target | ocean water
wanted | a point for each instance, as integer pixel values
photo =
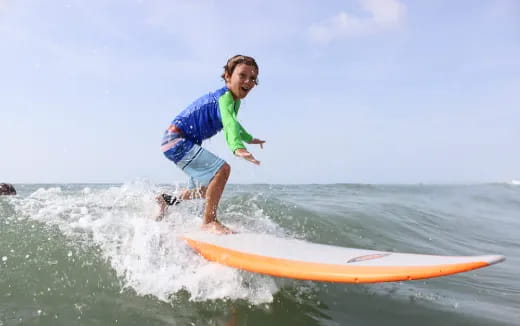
(91, 254)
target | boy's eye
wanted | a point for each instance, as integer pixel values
(243, 77)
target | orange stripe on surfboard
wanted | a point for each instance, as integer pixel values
(325, 272)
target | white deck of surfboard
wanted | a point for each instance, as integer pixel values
(303, 251)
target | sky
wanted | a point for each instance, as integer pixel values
(359, 91)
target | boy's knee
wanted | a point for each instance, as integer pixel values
(226, 169)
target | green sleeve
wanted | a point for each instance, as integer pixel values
(235, 134)
(245, 135)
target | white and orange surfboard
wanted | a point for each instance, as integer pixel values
(297, 259)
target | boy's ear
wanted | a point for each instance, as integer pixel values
(227, 76)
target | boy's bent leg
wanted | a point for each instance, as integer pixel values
(186, 194)
(213, 194)
(163, 207)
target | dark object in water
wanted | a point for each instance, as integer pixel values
(7, 189)
(170, 200)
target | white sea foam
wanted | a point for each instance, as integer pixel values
(149, 256)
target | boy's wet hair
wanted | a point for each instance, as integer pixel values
(7, 189)
(236, 60)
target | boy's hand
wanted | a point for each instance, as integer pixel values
(258, 141)
(243, 153)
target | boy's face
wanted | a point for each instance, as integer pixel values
(242, 81)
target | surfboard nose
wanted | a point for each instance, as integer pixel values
(493, 259)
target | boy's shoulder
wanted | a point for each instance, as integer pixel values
(210, 97)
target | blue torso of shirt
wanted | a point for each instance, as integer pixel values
(201, 119)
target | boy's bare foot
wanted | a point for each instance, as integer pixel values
(217, 227)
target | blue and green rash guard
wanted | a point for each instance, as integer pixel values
(202, 120)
